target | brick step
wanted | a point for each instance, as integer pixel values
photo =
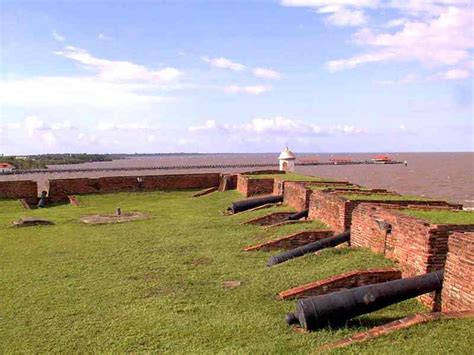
(346, 280)
(292, 241)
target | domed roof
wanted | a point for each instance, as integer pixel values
(286, 155)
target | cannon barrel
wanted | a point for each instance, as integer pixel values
(298, 215)
(309, 248)
(244, 205)
(337, 307)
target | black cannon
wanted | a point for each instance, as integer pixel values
(244, 205)
(337, 307)
(309, 248)
(42, 200)
(298, 215)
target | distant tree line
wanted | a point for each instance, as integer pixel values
(42, 161)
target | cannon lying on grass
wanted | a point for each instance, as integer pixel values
(309, 248)
(244, 205)
(298, 215)
(337, 307)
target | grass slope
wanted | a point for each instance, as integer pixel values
(443, 216)
(156, 285)
(384, 197)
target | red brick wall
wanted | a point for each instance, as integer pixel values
(19, 189)
(336, 211)
(250, 187)
(330, 209)
(417, 246)
(458, 284)
(296, 195)
(60, 188)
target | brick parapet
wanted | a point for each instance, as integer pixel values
(336, 211)
(458, 284)
(250, 187)
(59, 189)
(416, 245)
(17, 189)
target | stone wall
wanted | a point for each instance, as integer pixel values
(458, 284)
(336, 211)
(59, 189)
(16, 189)
(417, 246)
(250, 187)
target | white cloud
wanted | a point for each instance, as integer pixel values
(252, 89)
(453, 74)
(443, 40)
(324, 3)
(135, 126)
(224, 63)
(58, 37)
(87, 91)
(113, 70)
(104, 37)
(276, 126)
(407, 79)
(346, 17)
(266, 73)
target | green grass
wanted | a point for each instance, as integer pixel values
(336, 186)
(289, 177)
(156, 285)
(384, 197)
(443, 216)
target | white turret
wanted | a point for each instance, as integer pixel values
(287, 160)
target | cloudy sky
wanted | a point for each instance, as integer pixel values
(236, 76)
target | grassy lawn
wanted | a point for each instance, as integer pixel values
(289, 177)
(156, 285)
(384, 197)
(443, 216)
(336, 186)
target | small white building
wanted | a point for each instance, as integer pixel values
(6, 168)
(287, 160)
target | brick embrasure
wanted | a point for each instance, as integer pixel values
(292, 241)
(346, 280)
(269, 219)
(394, 326)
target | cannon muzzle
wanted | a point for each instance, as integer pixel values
(244, 205)
(309, 248)
(337, 307)
(298, 215)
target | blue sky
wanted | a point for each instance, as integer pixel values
(236, 76)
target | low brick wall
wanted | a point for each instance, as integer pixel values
(59, 189)
(335, 283)
(458, 284)
(296, 195)
(417, 246)
(17, 189)
(336, 211)
(250, 187)
(292, 241)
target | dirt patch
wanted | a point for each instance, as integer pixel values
(30, 221)
(114, 218)
(231, 284)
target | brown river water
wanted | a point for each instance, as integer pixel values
(448, 176)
